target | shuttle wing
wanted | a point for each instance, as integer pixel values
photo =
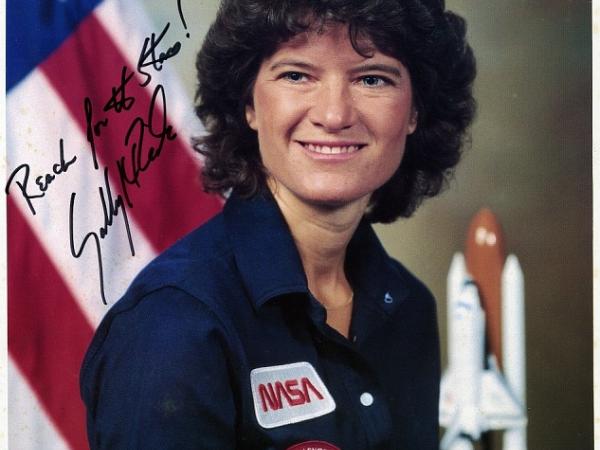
(499, 406)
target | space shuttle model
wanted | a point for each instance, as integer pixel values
(483, 387)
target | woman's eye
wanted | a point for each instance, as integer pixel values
(374, 81)
(294, 77)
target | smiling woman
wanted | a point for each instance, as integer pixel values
(322, 113)
(283, 323)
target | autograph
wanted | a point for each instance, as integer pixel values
(111, 210)
(140, 161)
(42, 181)
(148, 55)
(143, 144)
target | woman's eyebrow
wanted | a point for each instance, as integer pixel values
(292, 62)
(391, 70)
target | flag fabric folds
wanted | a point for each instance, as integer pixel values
(101, 178)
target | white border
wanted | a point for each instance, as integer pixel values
(3, 265)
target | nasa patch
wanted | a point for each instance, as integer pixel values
(289, 393)
(313, 445)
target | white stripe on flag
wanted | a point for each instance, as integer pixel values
(29, 426)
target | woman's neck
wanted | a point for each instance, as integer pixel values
(322, 234)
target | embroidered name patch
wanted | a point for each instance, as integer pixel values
(313, 445)
(288, 394)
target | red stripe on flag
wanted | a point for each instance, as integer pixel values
(169, 202)
(47, 332)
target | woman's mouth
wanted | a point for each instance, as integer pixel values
(331, 148)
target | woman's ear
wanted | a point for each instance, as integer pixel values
(251, 116)
(412, 121)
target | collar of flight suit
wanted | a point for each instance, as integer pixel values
(270, 266)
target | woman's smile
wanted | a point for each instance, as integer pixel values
(333, 148)
(331, 151)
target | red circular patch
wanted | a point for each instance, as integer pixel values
(313, 445)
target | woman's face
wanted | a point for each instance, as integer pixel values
(331, 124)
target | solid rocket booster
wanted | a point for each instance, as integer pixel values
(513, 325)
(513, 343)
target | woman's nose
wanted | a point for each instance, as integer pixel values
(333, 108)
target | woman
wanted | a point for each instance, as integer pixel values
(282, 323)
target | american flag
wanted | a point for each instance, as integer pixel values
(96, 180)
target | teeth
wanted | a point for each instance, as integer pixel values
(331, 150)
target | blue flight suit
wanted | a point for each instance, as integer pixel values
(218, 344)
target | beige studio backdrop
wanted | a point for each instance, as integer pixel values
(530, 161)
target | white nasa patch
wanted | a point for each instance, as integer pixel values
(288, 394)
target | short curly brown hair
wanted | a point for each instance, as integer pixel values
(426, 38)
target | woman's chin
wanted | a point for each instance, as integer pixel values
(324, 197)
(332, 200)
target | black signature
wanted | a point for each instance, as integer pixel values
(141, 159)
(111, 207)
(129, 169)
(42, 181)
(119, 100)
(148, 55)
(93, 129)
